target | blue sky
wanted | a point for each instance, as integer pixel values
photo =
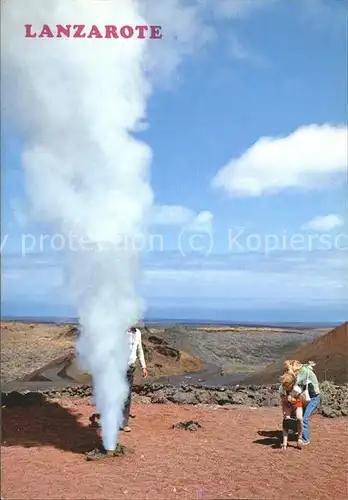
(241, 223)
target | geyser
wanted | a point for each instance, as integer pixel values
(77, 102)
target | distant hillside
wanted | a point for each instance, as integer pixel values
(330, 352)
(161, 359)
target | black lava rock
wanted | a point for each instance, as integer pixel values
(190, 425)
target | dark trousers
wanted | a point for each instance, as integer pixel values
(127, 405)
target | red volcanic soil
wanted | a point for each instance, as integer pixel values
(233, 455)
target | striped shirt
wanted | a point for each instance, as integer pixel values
(295, 392)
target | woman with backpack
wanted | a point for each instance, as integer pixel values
(308, 381)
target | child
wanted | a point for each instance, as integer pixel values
(292, 401)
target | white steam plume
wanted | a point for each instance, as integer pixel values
(78, 101)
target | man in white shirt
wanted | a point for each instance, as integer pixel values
(135, 351)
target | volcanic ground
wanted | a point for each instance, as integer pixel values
(194, 375)
(40, 353)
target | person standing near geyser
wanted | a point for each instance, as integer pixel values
(135, 351)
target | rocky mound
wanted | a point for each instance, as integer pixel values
(163, 359)
(330, 353)
(69, 332)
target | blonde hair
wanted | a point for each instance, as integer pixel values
(292, 366)
(288, 379)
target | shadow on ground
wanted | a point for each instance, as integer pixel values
(45, 423)
(270, 438)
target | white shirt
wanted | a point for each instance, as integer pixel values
(136, 348)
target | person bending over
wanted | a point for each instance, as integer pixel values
(308, 381)
(135, 351)
(292, 402)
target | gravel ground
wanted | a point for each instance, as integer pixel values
(26, 348)
(234, 455)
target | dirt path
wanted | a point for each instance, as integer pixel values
(227, 458)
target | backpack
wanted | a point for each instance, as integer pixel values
(309, 366)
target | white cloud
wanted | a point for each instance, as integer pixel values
(309, 158)
(242, 285)
(184, 29)
(188, 26)
(177, 215)
(324, 223)
(202, 222)
(217, 279)
(172, 215)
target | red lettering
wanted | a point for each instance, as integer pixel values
(126, 31)
(156, 32)
(142, 28)
(28, 33)
(63, 30)
(111, 31)
(46, 32)
(94, 32)
(79, 31)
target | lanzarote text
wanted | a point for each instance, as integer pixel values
(83, 31)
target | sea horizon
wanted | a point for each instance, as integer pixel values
(152, 320)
